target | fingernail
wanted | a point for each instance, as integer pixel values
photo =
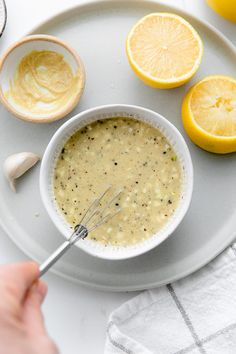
(41, 289)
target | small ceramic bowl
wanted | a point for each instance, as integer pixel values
(12, 57)
(112, 111)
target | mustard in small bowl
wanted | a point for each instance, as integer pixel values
(41, 79)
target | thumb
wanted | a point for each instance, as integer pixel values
(18, 277)
(32, 314)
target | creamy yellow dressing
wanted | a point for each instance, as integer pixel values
(128, 154)
(43, 82)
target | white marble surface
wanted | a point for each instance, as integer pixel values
(76, 317)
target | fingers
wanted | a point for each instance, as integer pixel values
(33, 319)
(32, 314)
(16, 279)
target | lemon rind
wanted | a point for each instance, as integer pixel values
(154, 79)
(207, 141)
(208, 78)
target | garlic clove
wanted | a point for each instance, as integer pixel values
(17, 164)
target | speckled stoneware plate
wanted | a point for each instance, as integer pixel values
(98, 31)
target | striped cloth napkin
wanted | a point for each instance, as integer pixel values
(194, 315)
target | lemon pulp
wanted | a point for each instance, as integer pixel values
(209, 114)
(164, 50)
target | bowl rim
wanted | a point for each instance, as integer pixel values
(51, 149)
(53, 116)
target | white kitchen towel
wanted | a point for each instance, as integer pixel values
(195, 315)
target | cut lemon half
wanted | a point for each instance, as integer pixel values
(209, 114)
(164, 50)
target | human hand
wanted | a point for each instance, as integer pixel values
(22, 328)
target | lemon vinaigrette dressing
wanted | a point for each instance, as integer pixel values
(128, 154)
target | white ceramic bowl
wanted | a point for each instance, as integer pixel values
(80, 120)
(12, 57)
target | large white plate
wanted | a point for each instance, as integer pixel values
(98, 31)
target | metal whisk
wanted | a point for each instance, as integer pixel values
(95, 216)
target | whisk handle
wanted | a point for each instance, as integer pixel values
(52, 259)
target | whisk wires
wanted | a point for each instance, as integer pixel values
(96, 215)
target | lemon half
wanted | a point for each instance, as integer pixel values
(209, 114)
(164, 50)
